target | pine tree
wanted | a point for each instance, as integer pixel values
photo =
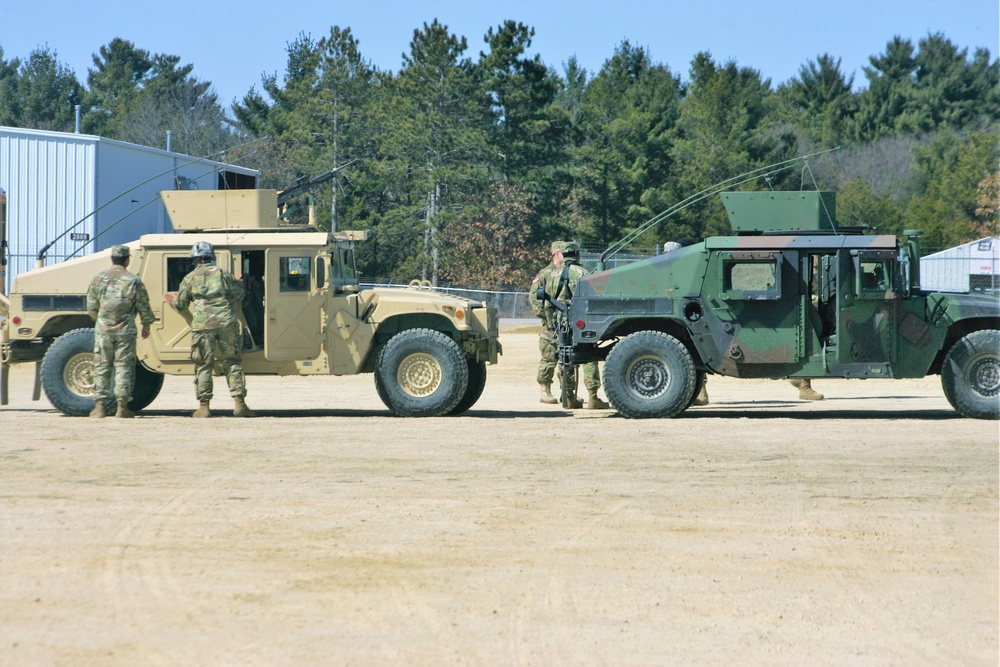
(722, 132)
(38, 93)
(621, 163)
(114, 85)
(822, 98)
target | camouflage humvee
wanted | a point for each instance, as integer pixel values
(304, 313)
(791, 294)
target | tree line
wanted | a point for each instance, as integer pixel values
(467, 162)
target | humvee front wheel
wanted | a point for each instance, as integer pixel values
(421, 373)
(68, 376)
(971, 375)
(649, 374)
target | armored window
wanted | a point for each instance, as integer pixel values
(875, 274)
(347, 261)
(751, 276)
(342, 268)
(294, 273)
(177, 268)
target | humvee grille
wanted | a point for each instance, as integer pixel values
(46, 302)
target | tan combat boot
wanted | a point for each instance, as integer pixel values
(123, 411)
(98, 410)
(547, 396)
(702, 397)
(202, 410)
(572, 402)
(806, 392)
(595, 403)
(240, 408)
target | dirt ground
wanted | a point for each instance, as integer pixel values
(762, 530)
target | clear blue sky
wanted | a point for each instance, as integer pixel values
(232, 43)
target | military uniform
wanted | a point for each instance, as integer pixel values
(561, 283)
(547, 342)
(114, 298)
(212, 295)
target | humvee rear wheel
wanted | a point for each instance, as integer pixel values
(971, 375)
(421, 373)
(649, 374)
(477, 382)
(68, 376)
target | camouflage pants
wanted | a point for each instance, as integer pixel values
(114, 351)
(547, 345)
(220, 349)
(547, 348)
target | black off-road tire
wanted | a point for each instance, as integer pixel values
(68, 376)
(421, 373)
(477, 382)
(147, 387)
(649, 374)
(970, 375)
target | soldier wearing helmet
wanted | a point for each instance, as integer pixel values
(547, 342)
(114, 298)
(212, 295)
(561, 284)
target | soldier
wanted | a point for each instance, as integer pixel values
(560, 284)
(213, 294)
(547, 337)
(114, 298)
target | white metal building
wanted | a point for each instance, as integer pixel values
(84, 193)
(972, 267)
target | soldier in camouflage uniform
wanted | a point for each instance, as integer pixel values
(212, 295)
(561, 283)
(114, 298)
(547, 337)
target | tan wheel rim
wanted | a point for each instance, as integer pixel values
(419, 375)
(78, 374)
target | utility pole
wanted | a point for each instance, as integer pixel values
(336, 179)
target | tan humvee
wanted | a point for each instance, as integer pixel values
(304, 313)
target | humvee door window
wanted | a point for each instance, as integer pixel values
(294, 273)
(177, 268)
(348, 268)
(751, 279)
(874, 274)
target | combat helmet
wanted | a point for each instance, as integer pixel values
(204, 251)
(570, 249)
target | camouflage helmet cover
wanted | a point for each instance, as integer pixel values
(570, 248)
(202, 250)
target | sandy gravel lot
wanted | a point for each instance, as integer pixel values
(761, 530)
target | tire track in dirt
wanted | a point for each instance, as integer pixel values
(548, 599)
(139, 582)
